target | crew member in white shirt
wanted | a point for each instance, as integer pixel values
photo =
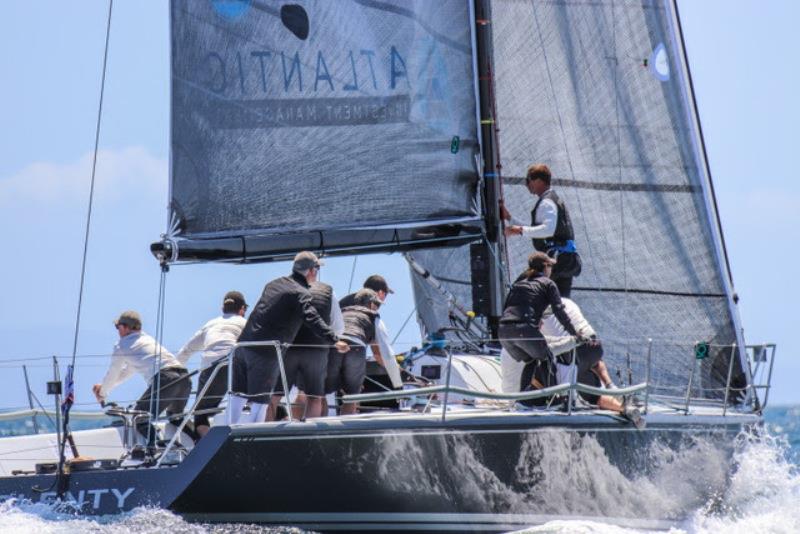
(550, 228)
(591, 369)
(137, 352)
(215, 339)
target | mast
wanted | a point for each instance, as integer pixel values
(492, 245)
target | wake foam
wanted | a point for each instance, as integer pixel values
(762, 496)
(36, 518)
(560, 473)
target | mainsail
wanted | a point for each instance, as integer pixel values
(599, 91)
(340, 126)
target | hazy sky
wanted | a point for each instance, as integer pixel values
(744, 58)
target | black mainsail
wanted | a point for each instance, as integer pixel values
(600, 92)
(340, 127)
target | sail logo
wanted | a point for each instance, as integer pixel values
(231, 9)
(268, 88)
(659, 63)
(253, 73)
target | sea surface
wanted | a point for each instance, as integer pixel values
(763, 497)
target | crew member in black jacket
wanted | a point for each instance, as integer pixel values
(519, 325)
(284, 306)
(307, 359)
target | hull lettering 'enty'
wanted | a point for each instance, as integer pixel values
(96, 498)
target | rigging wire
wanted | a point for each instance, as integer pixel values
(155, 390)
(91, 185)
(563, 131)
(405, 323)
(64, 436)
(352, 275)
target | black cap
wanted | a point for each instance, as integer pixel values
(233, 300)
(377, 283)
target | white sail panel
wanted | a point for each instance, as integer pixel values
(592, 89)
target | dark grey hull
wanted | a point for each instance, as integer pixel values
(479, 473)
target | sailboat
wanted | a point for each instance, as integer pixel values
(366, 126)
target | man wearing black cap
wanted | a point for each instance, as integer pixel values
(216, 339)
(377, 283)
(285, 305)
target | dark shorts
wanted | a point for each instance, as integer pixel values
(568, 265)
(239, 379)
(590, 379)
(524, 342)
(346, 372)
(263, 373)
(544, 371)
(174, 387)
(306, 368)
(588, 356)
(213, 395)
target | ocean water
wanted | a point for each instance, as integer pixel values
(763, 496)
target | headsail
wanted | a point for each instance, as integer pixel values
(337, 126)
(597, 90)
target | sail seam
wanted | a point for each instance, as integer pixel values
(616, 187)
(650, 292)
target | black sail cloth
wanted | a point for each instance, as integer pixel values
(372, 100)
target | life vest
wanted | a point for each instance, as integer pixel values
(359, 323)
(563, 232)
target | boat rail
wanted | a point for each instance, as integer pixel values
(753, 397)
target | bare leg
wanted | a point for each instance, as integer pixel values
(272, 410)
(202, 430)
(300, 407)
(314, 407)
(348, 408)
(611, 404)
(601, 371)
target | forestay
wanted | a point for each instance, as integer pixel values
(337, 126)
(597, 90)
